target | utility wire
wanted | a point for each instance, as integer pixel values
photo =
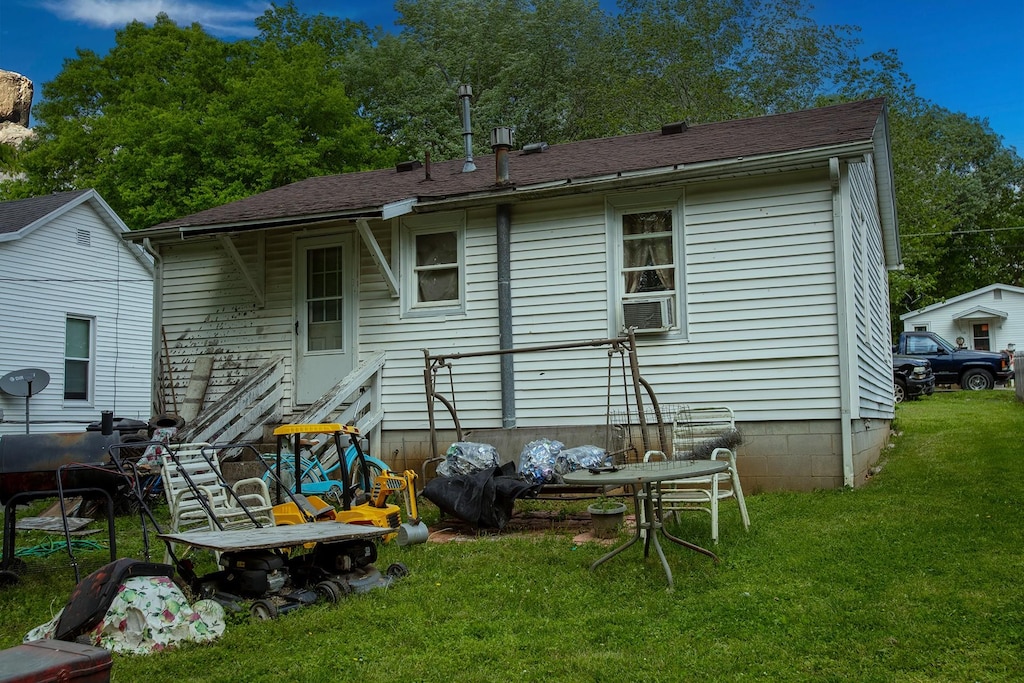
(960, 232)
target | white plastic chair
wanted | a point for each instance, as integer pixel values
(199, 497)
(702, 433)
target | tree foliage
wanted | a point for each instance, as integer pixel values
(959, 193)
(560, 70)
(173, 120)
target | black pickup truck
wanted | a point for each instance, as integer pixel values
(970, 369)
(911, 378)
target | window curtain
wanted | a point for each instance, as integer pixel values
(651, 249)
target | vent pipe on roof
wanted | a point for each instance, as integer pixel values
(465, 93)
(501, 143)
(673, 128)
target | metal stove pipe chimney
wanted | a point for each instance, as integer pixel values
(465, 93)
(501, 143)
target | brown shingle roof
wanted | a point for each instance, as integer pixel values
(575, 161)
(19, 213)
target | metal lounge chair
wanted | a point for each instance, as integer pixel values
(702, 433)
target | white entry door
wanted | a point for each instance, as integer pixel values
(326, 274)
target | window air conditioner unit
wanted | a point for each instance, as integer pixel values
(648, 315)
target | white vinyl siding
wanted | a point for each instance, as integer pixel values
(760, 293)
(757, 287)
(51, 273)
(560, 273)
(870, 285)
(209, 309)
(760, 301)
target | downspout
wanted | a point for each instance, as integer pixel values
(158, 316)
(501, 143)
(846, 335)
(504, 273)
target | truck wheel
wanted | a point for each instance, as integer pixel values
(977, 380)
(899, 391)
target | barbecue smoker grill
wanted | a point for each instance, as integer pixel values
(35, 466)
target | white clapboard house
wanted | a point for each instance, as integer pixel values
(76, 301)
(987, 319)
(750, 256)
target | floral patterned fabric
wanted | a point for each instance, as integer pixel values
(148, 614)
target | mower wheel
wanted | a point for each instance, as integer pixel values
(329, 591)
(397, 570)
(8, 578)
(264, 610)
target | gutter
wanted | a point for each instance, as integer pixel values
(650, 177)
(187, 231)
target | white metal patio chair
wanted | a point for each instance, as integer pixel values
(702, 433)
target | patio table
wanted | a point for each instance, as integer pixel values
(642, 477)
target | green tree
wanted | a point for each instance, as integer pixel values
(561, 70)
(543, 68)
(173, 120)
(713, 60)
(958, 192)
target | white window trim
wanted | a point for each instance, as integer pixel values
(409, 228)
(616, 206)
(91, 378)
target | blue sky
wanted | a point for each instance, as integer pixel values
(966, 55)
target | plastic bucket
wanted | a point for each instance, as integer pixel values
(410, 534)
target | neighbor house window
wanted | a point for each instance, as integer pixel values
(435, 278)
(77, 358)
(646, 250)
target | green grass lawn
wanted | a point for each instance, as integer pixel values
(916, 576)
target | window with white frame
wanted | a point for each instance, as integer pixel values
(434, 280)
(648, 259)
(78, 361)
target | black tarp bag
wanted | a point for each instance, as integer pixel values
(484, 499)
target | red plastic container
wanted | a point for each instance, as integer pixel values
(42, 661)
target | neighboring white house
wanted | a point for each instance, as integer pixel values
(988, 318)
(752, 255)
(76, 301)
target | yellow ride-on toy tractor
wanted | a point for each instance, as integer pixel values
(366, 484)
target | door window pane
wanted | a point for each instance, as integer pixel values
(324, 302)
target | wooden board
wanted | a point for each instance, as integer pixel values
(50, 523)
(286, 536)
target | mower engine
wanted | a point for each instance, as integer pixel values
(254, 573)
(346, 566)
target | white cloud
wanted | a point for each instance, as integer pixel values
(227, 19)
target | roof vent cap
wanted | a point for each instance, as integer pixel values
(410, 165)
(535, 147)
(673, 128)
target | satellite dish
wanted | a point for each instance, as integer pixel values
(25, 383)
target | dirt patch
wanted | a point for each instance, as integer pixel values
(535, 522)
